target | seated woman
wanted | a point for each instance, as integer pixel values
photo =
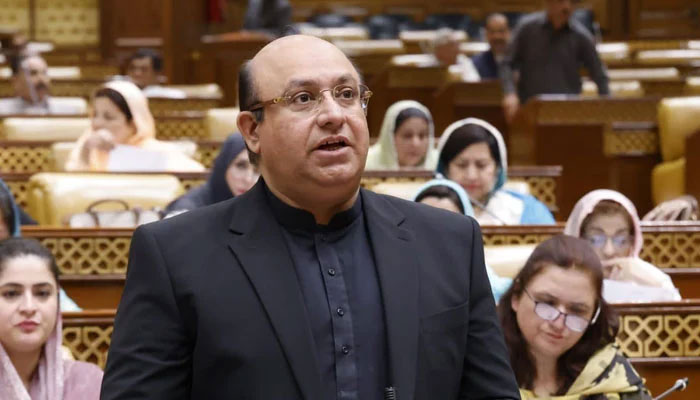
(445, 194)
(473, 154)
(10, 226)
(232, 175)
(32, 364)
(406, 140)
(609, 221)
(559, 330)
(120, 116)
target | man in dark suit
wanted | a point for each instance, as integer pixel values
(497, 35)
(307, 287)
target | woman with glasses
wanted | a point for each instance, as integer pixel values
(609, 222)
(472, 153)
(232, 175)
(561, 332)
(406, 140)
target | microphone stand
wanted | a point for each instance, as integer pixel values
(679, 386)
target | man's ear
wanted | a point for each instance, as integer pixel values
(248, 126)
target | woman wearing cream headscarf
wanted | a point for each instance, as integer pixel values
(609, 221)
(406, 139)
(120, 116)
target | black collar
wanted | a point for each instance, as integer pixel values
(296, 219)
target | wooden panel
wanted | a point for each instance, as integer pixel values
(68, 22)
(140, 19)
(692, 164)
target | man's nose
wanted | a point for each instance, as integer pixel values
(330, 112)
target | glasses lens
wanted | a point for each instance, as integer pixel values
(597, 241)
(546, 312)
(575, 323)
(621, 241)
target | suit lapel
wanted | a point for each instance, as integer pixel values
(259, 246)
(395, 257)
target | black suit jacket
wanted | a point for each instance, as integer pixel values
(212, 308)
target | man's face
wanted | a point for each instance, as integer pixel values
(497, 34)
(32, 81)
(559, 11)
(447, 52)
(321, 148)
(142, 73)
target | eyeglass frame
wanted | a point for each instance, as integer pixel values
(627, 236)
(364, 97)
(590, 322)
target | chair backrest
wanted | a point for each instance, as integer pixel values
(54, 196)
(678, 117)
(40, 128)
(458, 22)
(221, 122)
(330, 20)
(53, 72)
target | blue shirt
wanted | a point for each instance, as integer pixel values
(337, 275)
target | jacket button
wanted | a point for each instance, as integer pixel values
(345, 349)
(340, 311)
(331, 271)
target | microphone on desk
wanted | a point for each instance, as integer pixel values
(679, 386)
(483, 207)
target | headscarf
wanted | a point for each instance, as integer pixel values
(8, 205)
(141, 117)
(449, 147)
(215, 189)
(382, 155)
(499, 284)
(587, 203)
(48, 382)
(607, 375)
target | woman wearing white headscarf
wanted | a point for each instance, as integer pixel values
(610, 223)
(406, 139)
(120, 116)
(472, 153)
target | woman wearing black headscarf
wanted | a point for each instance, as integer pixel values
(231, 175)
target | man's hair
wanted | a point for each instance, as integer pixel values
(495, 15)
(17, 59)
(156, 59)
(247, 97)
(442, 192)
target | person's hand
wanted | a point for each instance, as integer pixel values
(98, 140)
(612, 269)
(679, 209)
(511, 104)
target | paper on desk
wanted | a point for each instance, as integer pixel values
(628, 292)
(130, 158)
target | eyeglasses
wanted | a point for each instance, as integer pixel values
(550, 313)
(346, 96)
(618, 241)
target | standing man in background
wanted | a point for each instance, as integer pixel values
(548, 49)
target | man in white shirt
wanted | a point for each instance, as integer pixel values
(446, 52)
(32, 91)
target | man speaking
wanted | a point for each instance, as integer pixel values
(307, 287)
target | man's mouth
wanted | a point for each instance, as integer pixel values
(333, 144)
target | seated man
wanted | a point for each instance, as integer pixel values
(144, 68)
(446, 52)
(32, 87)
(497, 34)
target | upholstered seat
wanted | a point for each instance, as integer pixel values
(209, 90)
(408, 190)
(678, 118)
(221, 122)
(508, 260)
(52, 72)
(41, 128)
(52, 197)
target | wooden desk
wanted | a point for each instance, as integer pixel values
(600, 143)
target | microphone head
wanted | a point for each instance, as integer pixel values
(682, 383)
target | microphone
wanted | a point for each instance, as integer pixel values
(483, 207)
(679, 386)
(389, 393)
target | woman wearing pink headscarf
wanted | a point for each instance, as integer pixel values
(32, 364)
(610, 223)
(120, 116)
